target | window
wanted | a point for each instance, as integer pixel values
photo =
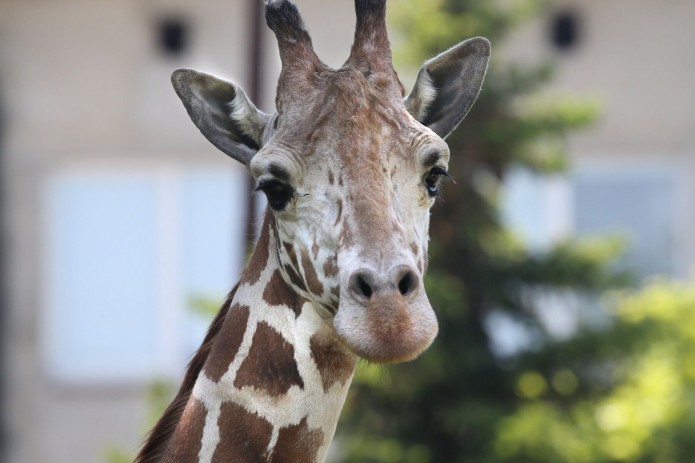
(537, 207)
(173, 36)
(638, 202)
(565, 29)
(645, 204)
(125, 250)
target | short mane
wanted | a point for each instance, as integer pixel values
(157, 440)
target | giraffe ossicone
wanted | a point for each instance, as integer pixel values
(350, 167)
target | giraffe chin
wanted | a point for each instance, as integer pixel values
(388, 328)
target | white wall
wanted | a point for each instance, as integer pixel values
(635, 56)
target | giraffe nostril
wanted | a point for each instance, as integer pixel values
(407, 281)
(363, 284)
(366, 284)
(364, 287)
(405, 284)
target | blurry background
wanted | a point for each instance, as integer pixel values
(574, 187)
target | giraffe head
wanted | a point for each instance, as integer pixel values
(350, 168)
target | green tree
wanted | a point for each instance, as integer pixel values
(646, 415)
(450, 404)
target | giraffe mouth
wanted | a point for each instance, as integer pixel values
(388, 328)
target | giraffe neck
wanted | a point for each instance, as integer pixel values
(275, 380)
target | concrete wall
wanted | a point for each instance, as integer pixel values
(634, 55)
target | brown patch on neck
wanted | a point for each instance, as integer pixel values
(294, 277)
(312, 279)
(297, 443)
(278, 292)
(289, 249)
(333, 361)
(270, 364)
(330, 267)
(259, 259)
(339, 215)
(223, 353)
(162, 434)
(244, 436)
(291, 269)
(188, 437)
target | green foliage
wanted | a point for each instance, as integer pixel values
(431, 24)
(647, 414)
(159, 395)
(114, 455)
(204, 306)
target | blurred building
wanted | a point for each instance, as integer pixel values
(118, 213)
(633, 173)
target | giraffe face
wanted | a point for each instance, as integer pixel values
(350, 169)
(352, 211)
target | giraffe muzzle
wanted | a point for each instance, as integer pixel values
(385, 317)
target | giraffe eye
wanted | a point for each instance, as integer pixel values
(432, 180)
(278, 193)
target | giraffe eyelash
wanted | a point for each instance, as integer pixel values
(433, 179)
(277, 193)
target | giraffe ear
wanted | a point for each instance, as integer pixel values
(222, 112)
(448, 85)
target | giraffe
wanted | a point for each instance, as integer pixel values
(350, 168)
